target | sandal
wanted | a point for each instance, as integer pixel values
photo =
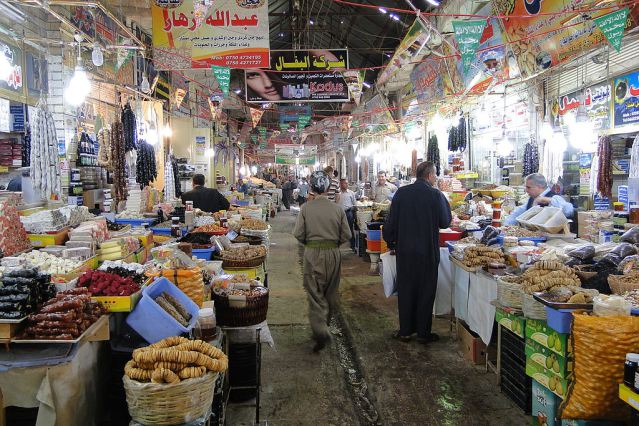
(397, 336)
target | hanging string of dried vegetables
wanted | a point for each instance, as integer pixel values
(129, 128)
(169, 182)
(604, 175)
(146, 170)
(457, 136)
(117, 156)
(104, 148)
(531, 159)
(432, 152)
(44, 165)
(26, 147)
(176, 177)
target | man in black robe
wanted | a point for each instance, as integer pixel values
(418, 211)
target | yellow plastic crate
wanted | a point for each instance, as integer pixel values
(251, 273)
(44, 240)
(119, 303)
(88, 265)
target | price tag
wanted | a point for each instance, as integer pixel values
(231, 235)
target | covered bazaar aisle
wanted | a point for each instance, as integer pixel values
(364, 377)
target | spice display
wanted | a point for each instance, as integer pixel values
(146, 170)
(244, 253)
(604, 175)
(531, 159)
(482, 255)
(432, 152)
(102, 283)
(65, 316)
(104, 147)
(118, 161)
(212, 229)
(254, 224)
(13, 236)
(22, 291)
(174, 359)
(44, 163)
(129, 128)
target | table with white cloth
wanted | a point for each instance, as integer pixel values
(473, 293)
(63, 381)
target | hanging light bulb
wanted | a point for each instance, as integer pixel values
(145, 87)
(78, 88)
(96, 56)
(5, 67)
(167, 132)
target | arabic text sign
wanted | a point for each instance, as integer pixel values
(597, 104)
(626, 96)
(468, 34)
(314, 77)
(566, 35)
(613, 26)
(427, 80)
(290, 113)
(229, 33)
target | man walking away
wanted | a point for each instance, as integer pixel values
(322, 227)
(302, 195)
(411, 230)
(333, 190)
(348, 202)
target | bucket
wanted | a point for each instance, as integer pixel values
(373, 235)
(374, 246)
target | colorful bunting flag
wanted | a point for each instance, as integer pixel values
(613, 26)
(223, 77)
(256, 115)
(468, 34)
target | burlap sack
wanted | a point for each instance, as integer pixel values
(600, 345)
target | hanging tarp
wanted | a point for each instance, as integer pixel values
(409, 50)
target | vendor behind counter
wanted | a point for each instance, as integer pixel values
(540, 195)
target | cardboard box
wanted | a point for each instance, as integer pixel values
(514, 323)
(549, 380)
(470, 344)
(558, 365)
(539, 332)
(545, 406)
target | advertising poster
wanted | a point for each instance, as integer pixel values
(13, 86)
(410, 49)
(564, 35)
(296, 154)
(37, 75)
(319, 80)
(626, 100)
(289, 113)
(597, 104)
(227, 33)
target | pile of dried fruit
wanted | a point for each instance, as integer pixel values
(211, 228)
(482, 255)
(244, 253)
(254, 224)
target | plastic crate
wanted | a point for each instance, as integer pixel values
(166, 231)
(373, 235)
(151, 321)
(559, 320)
(520, 394)
(204, 254)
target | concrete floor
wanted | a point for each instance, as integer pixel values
(364, 377)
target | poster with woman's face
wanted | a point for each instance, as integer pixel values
(300, 75)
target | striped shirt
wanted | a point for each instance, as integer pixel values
(332, 189)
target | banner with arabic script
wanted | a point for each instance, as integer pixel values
(597, 105)
(300, 75)
(541, 37)
(626, 94)
(227, 33)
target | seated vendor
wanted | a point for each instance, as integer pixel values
(540, 195)
(206, 199)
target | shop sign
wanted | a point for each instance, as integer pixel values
(201, 34)
(289, 113)
(292, 154)
(14, 82)
(565, 35)
(597, 104)
(300, 76)
(93, 23)
(409, 50)
(626, 103)
(355, 82)
(17, 117)
(5, 115)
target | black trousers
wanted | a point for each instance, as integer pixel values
(301, 200)
(286, 198)
(350, 217)
(416, 290)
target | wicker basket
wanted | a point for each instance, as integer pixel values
(621, 287)
(533, 309)
(250, 263)
(253, 313)
(164, 404)
(509, 294)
